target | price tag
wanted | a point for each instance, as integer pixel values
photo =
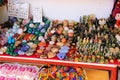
(16, 8)
(37, 14)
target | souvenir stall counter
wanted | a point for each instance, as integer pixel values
(107, 67)
(89, 43)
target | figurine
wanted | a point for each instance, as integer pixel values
(102, 60)
(102, 21)
(84, 19)
(117, 17)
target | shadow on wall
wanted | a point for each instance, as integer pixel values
(3, 14)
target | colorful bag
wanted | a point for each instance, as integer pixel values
(61, 73)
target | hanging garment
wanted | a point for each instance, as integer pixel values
(116, 8)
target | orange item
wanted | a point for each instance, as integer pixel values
(42, 44)
(39, 51)
(57, 78)
(71, 75)
(30, 36)
(67, 78)
(21, 35)
(118, 23)
(54, 68)
(70, 34)
(63, 40)
(63, 74)
(26, 36)
(59, 31)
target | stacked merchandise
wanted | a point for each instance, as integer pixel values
(22, 38)
(98, 40)
(61, 73)
(58, 41)
(90, 40)
(16, 71)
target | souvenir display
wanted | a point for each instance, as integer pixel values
(3, 29)
(97, 41)
(90, 40)
(61, 73)
(23, 37)
(9, 71)
(17, 72)
(67, 48)
(3, 38)
(58, 40)
(61, 32)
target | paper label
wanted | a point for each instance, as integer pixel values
(16, 8)
(37, 14)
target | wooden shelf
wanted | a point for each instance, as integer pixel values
(108, 67)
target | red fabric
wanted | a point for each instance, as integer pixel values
(118, 23)
(116, 8)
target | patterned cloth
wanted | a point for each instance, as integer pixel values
(116, 8)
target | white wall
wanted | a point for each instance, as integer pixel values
(73, 9)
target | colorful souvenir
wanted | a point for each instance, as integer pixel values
(97, 40)
(117, 17)
(17, 71)
(51, 55)
(61, 56)
(42, 44)
(61, 73)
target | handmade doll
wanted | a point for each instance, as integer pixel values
(117, 17)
